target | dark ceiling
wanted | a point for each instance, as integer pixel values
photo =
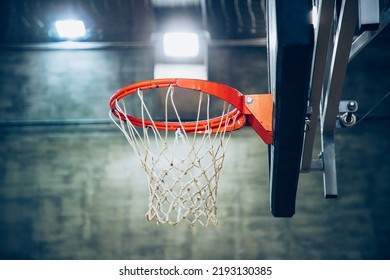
(32, 21)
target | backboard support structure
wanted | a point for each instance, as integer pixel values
(307, 62)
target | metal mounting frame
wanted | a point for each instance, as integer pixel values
(332, 52)
(307, 63)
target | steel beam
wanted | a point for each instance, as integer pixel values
(367, 36)
(340, 57)
(369, 14)
(322, 37)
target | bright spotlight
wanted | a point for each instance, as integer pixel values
(181, 44)
(70, 29)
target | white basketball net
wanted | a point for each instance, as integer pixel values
(182, 169)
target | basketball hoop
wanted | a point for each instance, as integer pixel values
(183, 158)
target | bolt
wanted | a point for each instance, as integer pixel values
(348, 118)
(351, 105)
(248, 100)
(307, 124)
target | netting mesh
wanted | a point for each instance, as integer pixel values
(182, 168)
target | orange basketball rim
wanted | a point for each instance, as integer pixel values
(254, 109)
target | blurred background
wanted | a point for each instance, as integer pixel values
(72, 188)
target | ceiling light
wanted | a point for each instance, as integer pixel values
(70, 29)
(181, 44)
